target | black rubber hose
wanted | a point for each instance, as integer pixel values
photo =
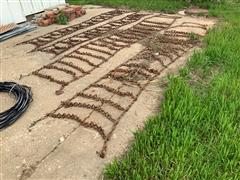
(23, 98)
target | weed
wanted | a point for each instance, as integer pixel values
(193, 36)
(62, 19)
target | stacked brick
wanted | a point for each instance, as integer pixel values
(49, 16)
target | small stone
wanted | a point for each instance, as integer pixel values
(96, 136)
(79, 13)
(61, 139)
(114, 136)
(59, 92)
(50, 14)
(44, 22)
(71, 17)
(182, 13)
(24, 161)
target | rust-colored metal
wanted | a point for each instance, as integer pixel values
(50, 78)
(155, 74)
(130, 68)
(83, 123)
(70, 64)
(49, 37)
(134, 73)
(51, 66)
(70, 42)
(112, 90)
(88, 106)
(107, 46)
(80, 58)
(102, 100)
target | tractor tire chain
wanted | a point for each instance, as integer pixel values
(124, 79)
(129, 76)
(88, 35)
(99, 50)
(131, 71)
(103, 151)
(131, 67)
(127, 37)
(109, 46)
(51, 66)
(71, 29)
(153, 26)
(123, 40)
(153, 71)
(69, 43)
(83, 123)
(114, 43)
(91, 55)
(70, 64)
(147, 28)
(88, 106)
(82, 59)
(50, 78)
(167, 39)
(115, 91)
(102, 100)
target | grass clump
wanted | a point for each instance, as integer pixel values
(62, 19)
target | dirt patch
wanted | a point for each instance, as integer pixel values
(196, 11)
(108, 86)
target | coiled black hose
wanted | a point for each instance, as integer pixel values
(23, 97)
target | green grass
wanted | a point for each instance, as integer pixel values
(135, 4)
(156, 5)
(196, 134)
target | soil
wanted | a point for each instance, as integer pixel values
(52, 146)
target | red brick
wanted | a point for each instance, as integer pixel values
(52, 20)
(68, 11)
(45, 22)
(79, 13)
(72, 16)
(50, 14)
